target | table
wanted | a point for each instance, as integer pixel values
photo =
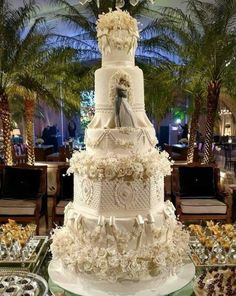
(52, 168)
(42, 270)
(42, 151)
(57, 291)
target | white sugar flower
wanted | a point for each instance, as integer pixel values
(102, 252)
(87, 266)
(113, 261)
(136, 165)
(121, 172)
(111, 26)
(102, 264)
(93, 172)
(137, 168)
(110, 172)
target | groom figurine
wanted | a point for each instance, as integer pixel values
(124, 115)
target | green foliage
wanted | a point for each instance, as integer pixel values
(31, 67)
(178, 113)
(204, 38)
(87, 108)
(160, 90)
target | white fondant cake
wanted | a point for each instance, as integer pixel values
(118, 226)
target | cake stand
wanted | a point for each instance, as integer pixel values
(78, 286)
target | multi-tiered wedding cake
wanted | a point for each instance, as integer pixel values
(118, 226)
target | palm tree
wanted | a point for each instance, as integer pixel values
(205, 40)
(192, 83)
(42, 85)
(16, 54)
(29, 106)
(219, 55)
(161, 90)
(28, 62)
(197, 93)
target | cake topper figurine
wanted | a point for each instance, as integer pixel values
(124, 115)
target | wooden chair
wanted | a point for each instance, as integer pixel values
(23, 194)
(65, 193)
(197, 194)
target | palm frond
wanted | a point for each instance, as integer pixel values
(26, 44)
(75, 18)
(19, 17)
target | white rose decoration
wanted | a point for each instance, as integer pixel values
(92, 172)
(110, 172)
(113, 262)
(102, 264)
(87, 266)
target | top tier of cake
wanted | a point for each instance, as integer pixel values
(117, 34)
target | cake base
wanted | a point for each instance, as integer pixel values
(85, 287)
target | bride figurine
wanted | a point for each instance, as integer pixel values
(124, 115)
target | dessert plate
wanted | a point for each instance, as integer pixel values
(83, 286)
(22, 283)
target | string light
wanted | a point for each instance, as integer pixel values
(225, 112)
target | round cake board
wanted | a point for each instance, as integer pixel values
(73, 283)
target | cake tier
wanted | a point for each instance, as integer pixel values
(106, 81)
(115, 249)
(120, 185)
(117, 34)
(120, 141)
(117, 57)
(118, 197)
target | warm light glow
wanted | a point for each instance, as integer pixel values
(222, 174)
(225, 111)
(15, 132)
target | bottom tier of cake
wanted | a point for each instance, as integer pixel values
(88, 285)
(116, 249)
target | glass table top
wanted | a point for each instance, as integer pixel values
(44, 258)
(41, 268)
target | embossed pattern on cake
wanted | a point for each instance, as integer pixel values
(118, 226)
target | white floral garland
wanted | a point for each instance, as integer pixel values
(110, 31)
(112, 166)
(106, 252)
